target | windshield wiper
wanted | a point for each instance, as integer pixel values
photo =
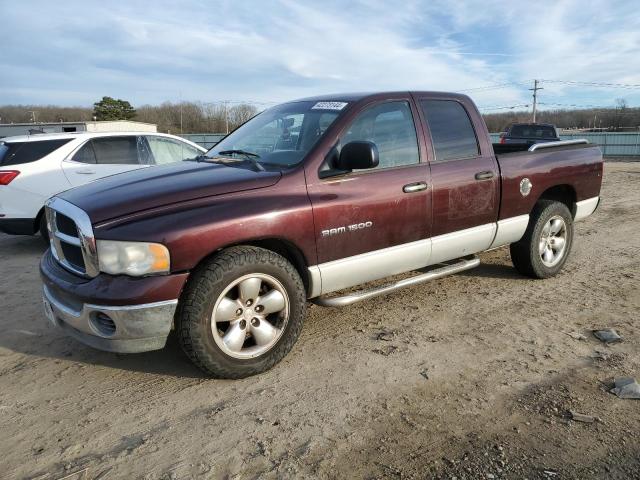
(250, 156)
(239, 152)
(198, 158)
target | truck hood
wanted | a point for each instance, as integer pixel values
(126, 193)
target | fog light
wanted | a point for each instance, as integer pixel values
(103, 324)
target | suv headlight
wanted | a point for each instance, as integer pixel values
(132, 258)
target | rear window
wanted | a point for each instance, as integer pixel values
(16, 153)
(451, 130)
(532, 131)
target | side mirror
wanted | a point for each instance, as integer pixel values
(358, 155)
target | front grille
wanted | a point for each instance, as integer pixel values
(72, 241)
(65, 225)
(73, 255)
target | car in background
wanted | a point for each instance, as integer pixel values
(33, 168)
(529, 133)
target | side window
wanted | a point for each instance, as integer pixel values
(168, 150)
(118, 150)
(85, 154)
(391, 127)
(451, 130)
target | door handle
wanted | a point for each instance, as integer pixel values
(86, 172)
(414, 187)
(485, 175)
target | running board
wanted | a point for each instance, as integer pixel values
(461, 266)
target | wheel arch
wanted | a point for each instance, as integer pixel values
(279, 245)
(36, 222)
(565, 194)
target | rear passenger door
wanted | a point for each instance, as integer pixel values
(104, 156)
(464, 177)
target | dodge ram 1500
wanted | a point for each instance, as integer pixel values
(308, 198)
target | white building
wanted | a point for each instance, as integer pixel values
(11, 129)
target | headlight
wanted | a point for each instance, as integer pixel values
(132, 258)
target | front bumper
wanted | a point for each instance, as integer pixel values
(113, 313)
(125, 329)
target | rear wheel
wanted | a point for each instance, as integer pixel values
(545, 246)
(241, 313)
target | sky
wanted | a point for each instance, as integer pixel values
(74, 52)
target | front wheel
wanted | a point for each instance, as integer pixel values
(545, 246)
(241, 312)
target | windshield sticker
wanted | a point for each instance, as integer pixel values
(329, 106)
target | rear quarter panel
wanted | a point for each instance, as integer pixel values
(577, 167)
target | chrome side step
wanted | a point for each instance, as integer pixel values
(460, 266)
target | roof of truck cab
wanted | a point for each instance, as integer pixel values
(531, 123)
(357, 96)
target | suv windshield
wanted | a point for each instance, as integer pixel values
(281, 135)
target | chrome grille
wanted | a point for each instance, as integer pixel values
(71, 235)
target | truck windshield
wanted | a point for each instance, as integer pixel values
(281, 135)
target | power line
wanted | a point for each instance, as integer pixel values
(594, 84)
(492, 87)
(503, 107)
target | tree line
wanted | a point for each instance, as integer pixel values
(620, 118)
(176, 118)
(202, 117)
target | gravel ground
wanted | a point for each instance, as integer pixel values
(471, 376)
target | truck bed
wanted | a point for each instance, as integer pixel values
(574, 167)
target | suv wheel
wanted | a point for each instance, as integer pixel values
(545, 246)
(42, 227)
(241, 312)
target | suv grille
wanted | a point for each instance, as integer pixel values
(71, 233)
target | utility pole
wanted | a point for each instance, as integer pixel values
(535, 97)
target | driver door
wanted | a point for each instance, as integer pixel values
(374, 223)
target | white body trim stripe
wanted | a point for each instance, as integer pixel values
(584, 208)
(463, 242)
(366, 267)
(315, 281)
(510, 230)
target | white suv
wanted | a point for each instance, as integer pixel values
(36, 167)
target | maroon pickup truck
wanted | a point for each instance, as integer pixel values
(306, 199)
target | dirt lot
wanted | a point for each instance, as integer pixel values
(470, 377)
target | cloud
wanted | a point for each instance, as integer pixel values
(75, 52)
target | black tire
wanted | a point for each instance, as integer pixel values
(525, 254)
(42, 228)
(206, 285)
